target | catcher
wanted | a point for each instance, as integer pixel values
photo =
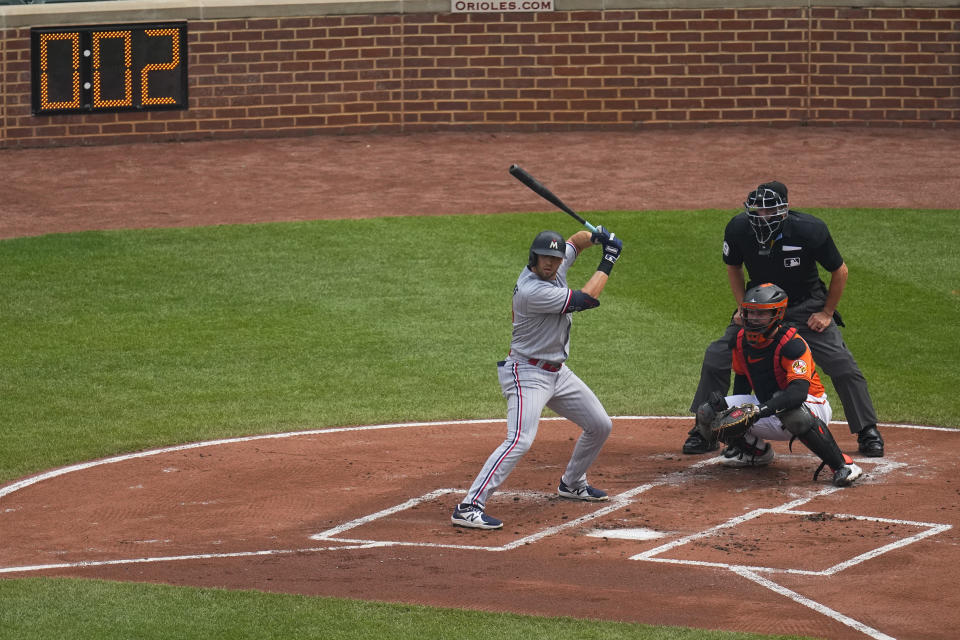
(773, 361)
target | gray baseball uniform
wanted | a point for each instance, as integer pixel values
(533, 377)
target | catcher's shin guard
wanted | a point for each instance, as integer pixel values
(815, 435)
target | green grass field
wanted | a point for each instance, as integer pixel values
(120, 341)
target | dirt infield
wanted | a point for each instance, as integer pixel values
(364, 512)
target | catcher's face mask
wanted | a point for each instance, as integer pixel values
(762, 310)
(760, 322)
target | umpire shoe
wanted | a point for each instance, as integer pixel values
(696, 443)
(468, 515)
(870, 442)
(745, 455)
(586, 492)
(845, 475)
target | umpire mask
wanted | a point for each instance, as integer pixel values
(766, 208)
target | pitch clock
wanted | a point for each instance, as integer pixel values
(106, 68)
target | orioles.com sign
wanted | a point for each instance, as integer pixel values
(497, 6)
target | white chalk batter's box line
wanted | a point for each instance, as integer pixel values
(615, 503)
(932, 529)
(625, 499)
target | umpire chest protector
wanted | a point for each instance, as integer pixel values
(790, 261)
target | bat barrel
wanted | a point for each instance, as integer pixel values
(517, 172)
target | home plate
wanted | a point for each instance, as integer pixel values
(627, 534)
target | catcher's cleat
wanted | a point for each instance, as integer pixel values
(870, 442)
(845, 475)
(745, 455)
(467, 515)
(586, 492)
(696, 444)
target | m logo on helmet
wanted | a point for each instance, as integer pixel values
(554, 245)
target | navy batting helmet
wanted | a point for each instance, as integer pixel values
(547, 243)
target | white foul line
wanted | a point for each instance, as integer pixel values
(812, 604)
(199, 556)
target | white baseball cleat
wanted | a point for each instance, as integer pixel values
(747, 456)
(845, 475)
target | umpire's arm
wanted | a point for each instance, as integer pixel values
(838, 281)
(738, 288)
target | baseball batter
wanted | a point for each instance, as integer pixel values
(534, 375)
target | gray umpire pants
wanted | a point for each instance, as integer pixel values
(830, 353)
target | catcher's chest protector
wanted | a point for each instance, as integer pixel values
(778, 372)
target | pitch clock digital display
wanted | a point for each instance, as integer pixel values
(107, 68)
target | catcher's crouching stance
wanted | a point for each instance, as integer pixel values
(773, 361)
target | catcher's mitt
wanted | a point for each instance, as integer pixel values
(734, 422)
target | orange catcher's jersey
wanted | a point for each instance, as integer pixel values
(771, 368)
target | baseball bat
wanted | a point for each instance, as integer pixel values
(517, 172)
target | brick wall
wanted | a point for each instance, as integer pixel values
(600, 69)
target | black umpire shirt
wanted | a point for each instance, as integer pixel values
(803, 241)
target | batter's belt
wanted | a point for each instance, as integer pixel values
(546, 365)
(553, 367)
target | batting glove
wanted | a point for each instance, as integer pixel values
(600, 236)
(611, 253)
